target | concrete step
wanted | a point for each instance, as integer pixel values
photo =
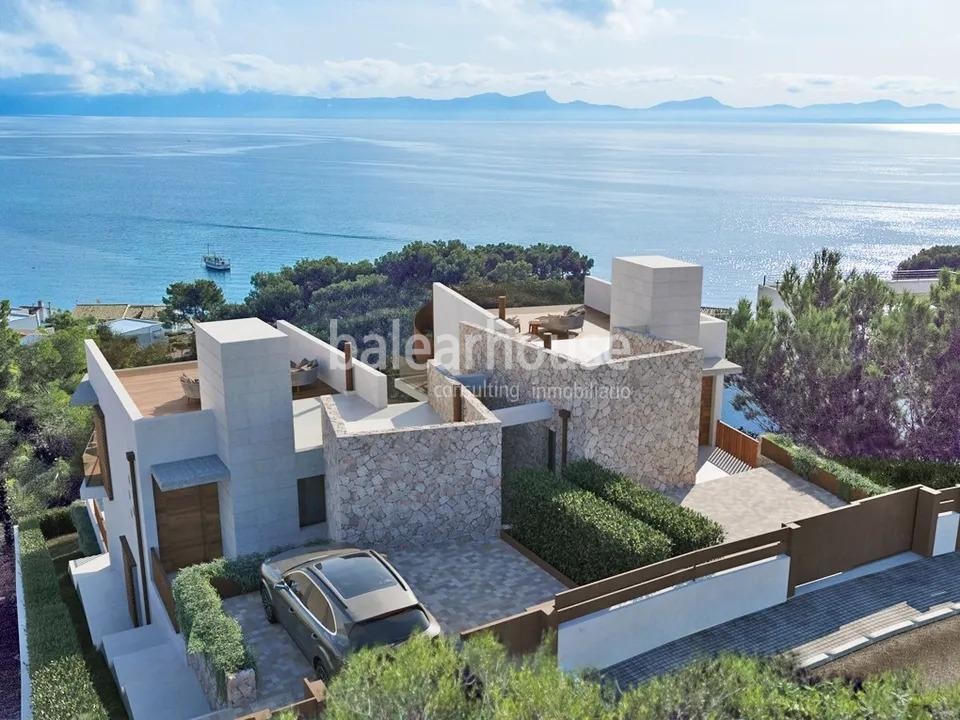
(133, 640)
(156, 683)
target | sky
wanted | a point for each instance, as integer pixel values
(633, 53)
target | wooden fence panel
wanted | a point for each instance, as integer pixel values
(519, 633)
(740, 445)
(850, 536)
(164, 590)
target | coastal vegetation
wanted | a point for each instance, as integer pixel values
(440, 679)
(933, 258)
(851, 368)
(367, 296)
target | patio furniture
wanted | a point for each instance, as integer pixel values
(534, 328)
(303, 374)
(191, 388)
(565, 323)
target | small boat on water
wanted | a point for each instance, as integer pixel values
(215, 261)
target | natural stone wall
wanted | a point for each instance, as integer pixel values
(413, 486)
(241, 687)
(636, 414)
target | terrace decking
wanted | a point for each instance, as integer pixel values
(156, 390)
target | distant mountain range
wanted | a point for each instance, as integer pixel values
(488, 106)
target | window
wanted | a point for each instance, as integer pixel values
(100, 432)
(354, 575)
(319, 606)
(301, 586)
(312, 497)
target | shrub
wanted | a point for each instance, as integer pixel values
(580, 534)
(687, 529)
(60, 680)
(206, 628)
(56, 522)
(903, 473)
(86, 535)
(806, 462)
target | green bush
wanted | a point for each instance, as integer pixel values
(56, 522)
(580, 534)
(86, 535)
(688, 530)
(806, 461)
(60, 679)
(903, 473)
(206, 628)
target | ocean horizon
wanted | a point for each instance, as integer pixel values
(116, 209)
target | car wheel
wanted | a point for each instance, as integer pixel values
(267, 603)
(320, 668)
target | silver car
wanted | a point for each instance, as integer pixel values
(333, 602)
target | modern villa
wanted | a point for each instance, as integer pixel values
(273, 437)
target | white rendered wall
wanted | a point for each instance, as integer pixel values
(658, 295)
(607, 637)
(596, 293)
(450, 308)
(945, 539)
(713, 336)
(765, 291)
(244, 368)
(914, 287)
(120, 413)
(368, 382)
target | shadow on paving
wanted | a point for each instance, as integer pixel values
(803, 619)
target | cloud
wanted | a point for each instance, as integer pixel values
(621, 17)
(861, 86)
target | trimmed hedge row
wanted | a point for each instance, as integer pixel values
(207, 629)
(580, 534)
(60, 680)
(687, 529)
(806, 462)
(903, 473)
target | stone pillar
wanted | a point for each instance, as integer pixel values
(657, 295)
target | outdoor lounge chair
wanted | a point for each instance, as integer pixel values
(191, 387)
(303, 373)
(564, 324)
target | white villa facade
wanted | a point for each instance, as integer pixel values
(258, 462)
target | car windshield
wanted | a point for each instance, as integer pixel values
(389, 630)
(354, 575)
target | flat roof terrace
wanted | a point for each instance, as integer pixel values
(156, 390)
(590, 344)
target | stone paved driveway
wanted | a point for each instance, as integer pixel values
(281, 667)
(756, 501)
(466, 585)
(813, 622)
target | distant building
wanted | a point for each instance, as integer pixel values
(145, 332)
(105, 312)
(27, 321)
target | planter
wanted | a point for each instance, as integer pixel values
(240, 688)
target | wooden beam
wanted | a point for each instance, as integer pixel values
(348, 364)
(502, 307)
(458, 403)
(547, 340)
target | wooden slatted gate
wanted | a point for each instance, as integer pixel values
(188, 525)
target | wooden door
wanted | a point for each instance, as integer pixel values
(188, 525)
(706, 409)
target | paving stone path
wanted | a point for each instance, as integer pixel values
(814, 622)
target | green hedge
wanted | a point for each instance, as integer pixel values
(86, 535)
(206, 628)
(56, 522)
(688, 530)
(580, 534)
(903, 473)
(60, 680)
(806, 461)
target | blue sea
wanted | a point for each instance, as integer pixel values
(116, 209)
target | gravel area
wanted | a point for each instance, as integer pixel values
(931, 651)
